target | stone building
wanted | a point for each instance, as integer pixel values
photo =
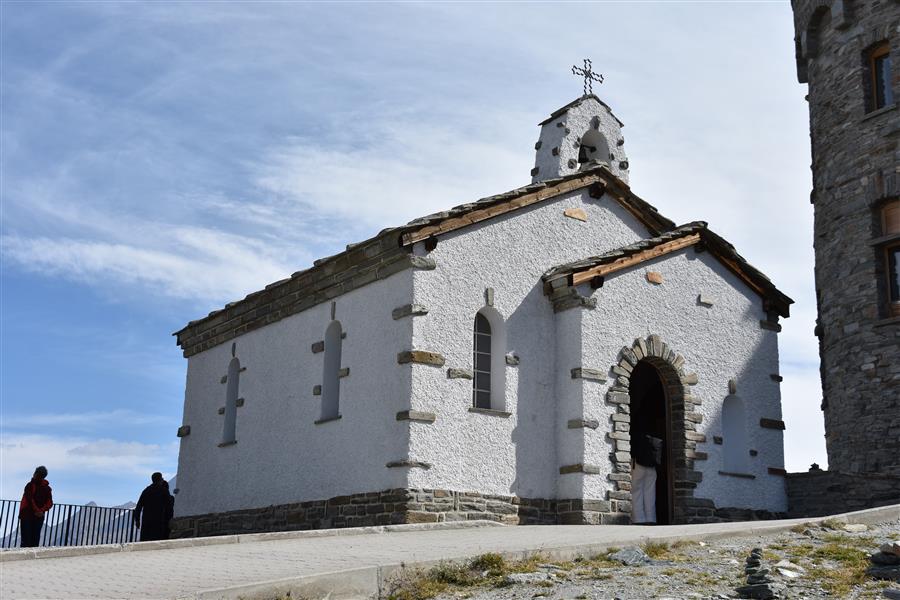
(490, 361)
(845, 52)
(848, 51)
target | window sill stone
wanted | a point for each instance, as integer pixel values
(740, 475)
(888, 321)
(877, 113)
(328, 420)
(226, 444)
(885, 239)
(490, 412)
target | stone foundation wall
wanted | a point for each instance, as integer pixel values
(396, 506)
(822, 493)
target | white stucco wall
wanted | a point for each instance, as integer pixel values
(490, 454)
(281, 455)
(720, 342)
(565, 131)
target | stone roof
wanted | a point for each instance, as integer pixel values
(390, 251)
(708, 240)
(562, 110)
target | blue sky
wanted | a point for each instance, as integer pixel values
(161, 159)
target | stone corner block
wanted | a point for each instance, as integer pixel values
(459, 373)
(184, 430)
(579, 468)
(583, 424)
(408, 310)
(421, 357)
(417, 416)
(770, 326)
(705, 300)
(424, 263)
(588, 374)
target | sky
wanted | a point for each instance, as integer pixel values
(158, 160)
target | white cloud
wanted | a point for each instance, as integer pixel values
(73, 458)
(91, 419)
(192, 263)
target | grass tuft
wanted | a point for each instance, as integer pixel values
(491, 562)
(656, 550)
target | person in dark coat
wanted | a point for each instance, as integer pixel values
(156, 506)
(36, 500)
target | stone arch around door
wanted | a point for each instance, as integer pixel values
(677, 384)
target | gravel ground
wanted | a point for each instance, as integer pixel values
(807, 562)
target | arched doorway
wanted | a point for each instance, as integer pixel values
(651, 413)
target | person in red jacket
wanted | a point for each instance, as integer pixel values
(36, 501)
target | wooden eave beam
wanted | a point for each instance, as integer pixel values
(502, 207)
(634, 259)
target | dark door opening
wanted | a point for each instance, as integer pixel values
(650, 413)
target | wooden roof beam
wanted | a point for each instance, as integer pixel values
(634, 259)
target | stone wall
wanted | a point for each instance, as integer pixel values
(397, 506)
(855, 153)
(822, 493)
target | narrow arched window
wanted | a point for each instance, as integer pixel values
(489, 360)
(331, 373)
(734, 435)
(232, 388)
(481, 356)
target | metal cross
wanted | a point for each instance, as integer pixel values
(589, 76)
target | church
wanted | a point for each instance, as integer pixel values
(490, 362)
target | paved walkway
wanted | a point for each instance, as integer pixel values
(247, 566)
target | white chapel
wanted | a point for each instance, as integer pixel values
(491, 362)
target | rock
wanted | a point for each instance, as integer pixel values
(855, 527)
(527, 577)
(788, 573)
(891, 548)
(761, 591)
(733, 562)
(786, 564)
(892, 593)
(884, 572)
(755, 579)
(883, 558)
(630, 557)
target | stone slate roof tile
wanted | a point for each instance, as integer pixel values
(644, 211)
(717, 245)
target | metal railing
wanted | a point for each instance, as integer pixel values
(71, 525)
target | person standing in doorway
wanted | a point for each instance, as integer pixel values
(156, 506)
(646, 456)
(36, 501)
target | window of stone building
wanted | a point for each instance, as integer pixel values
(481, 357)
(890, 228)
(331, 372)
(232, 388)
(878, 67)
(488, 360)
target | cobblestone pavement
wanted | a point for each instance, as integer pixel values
(180, 572)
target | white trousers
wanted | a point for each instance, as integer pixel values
(643, 494)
